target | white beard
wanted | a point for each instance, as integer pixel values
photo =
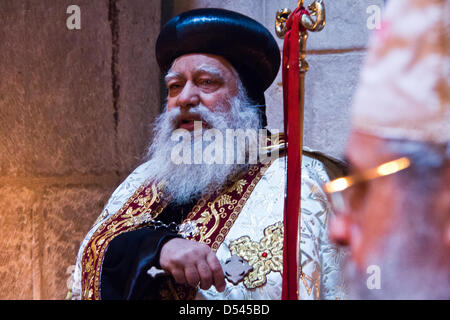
(186, 182)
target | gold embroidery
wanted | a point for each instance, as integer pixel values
(124, 220)
(204, 219)
(224, 200)
(219, 209)
(101, 217)
(312, 282)
(265, 256)
(238, 186)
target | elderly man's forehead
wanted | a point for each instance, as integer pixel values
(207, 63)
(367, 151)
(204, 68)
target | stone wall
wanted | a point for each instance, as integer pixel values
(76, 108)
(75, 114)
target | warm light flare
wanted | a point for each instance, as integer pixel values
(337, 185)
(382, 170)
(393, 166)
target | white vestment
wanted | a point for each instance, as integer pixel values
(320, 260)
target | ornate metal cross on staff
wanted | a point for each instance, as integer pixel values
(294, 27)
(317, 9)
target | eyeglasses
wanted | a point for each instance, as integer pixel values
(347, 193)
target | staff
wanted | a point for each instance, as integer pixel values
(293, 27)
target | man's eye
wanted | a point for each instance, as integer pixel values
(357, 195)
(174, 86)
(206, 82)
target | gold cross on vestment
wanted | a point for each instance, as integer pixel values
(264, 256)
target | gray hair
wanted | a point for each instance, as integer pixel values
(424, 179)
(427, 159)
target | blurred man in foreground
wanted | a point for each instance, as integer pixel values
(394, 207)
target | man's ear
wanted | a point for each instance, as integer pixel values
(339, 230)
(447, 235)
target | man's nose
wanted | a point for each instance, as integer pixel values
(339, 231)
(189, 96)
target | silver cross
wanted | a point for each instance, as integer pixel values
(155, 272)
(234, 268)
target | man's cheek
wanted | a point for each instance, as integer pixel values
(217, 103)
(358, 245)
(171, 105)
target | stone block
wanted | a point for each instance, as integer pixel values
(40, 233)
(56, 93)
(66, 215)
(17, 246)
(330, 85)
(252, 8)
(139, 78)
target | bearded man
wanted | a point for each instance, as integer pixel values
(175, 225)
(393, 212)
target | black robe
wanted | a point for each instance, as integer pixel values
(129, 256)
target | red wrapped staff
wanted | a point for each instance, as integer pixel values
(293, 27)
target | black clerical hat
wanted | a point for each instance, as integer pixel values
(244, 42)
